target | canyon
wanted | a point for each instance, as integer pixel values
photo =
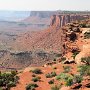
(48, 58)
(73, 39)
(42, 45)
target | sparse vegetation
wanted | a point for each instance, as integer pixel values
(62, 76)
(63, 58)
(69, 81)
(51, 81)
(35, 79)
(37, 71)
(8, 80)
(84, 70)
(77, 78)
(66, 69)
(31, 86)
(83, 25)
(56, 87)
(75, 52)
(87, 35)
(86, 60)
(50, 75)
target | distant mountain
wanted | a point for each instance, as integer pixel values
(13, 15)
(42, 14)
(39, 17)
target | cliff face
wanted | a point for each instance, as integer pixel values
(61, 20)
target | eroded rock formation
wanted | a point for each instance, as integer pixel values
(61, 20)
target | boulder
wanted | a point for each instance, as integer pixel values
(84, 53)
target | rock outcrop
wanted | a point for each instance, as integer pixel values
(61, 20)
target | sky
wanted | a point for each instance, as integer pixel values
(44, 5)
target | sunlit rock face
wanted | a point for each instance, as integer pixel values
(61, 20)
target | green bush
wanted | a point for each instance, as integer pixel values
(66, 69)
(37, 71)
(31, 86)
(66, 78)
(86, 60)
(8, 80)
(63, 58)
(84, 70)
(11, 84)
(87, 35)
(69, 81)
(35, 79)
(55, 87)
(75, 54)
(62, 76)
(77, 79)
(50, 75)
(51, 81)
(14, 73)
(53, 74)
(73, 80)
(83, 25)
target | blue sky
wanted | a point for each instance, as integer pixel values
(44, 5)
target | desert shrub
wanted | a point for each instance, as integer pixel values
(56, 87)
(69, 81)
(84, 70)
(11, 84)
(50, 75)
(63, 58)
(53, 74)
(31, 86)
(87, 35)
(33, 75)
(35, 79)
(75, 52)
(73, 80)
(62, 76)
(77, 79)
(8, 80)
(51, 81)
(37, 71)
(83, 25)
(66, 69)
(86, 60)
(14, 73)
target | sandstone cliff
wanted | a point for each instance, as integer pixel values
(61, 20)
